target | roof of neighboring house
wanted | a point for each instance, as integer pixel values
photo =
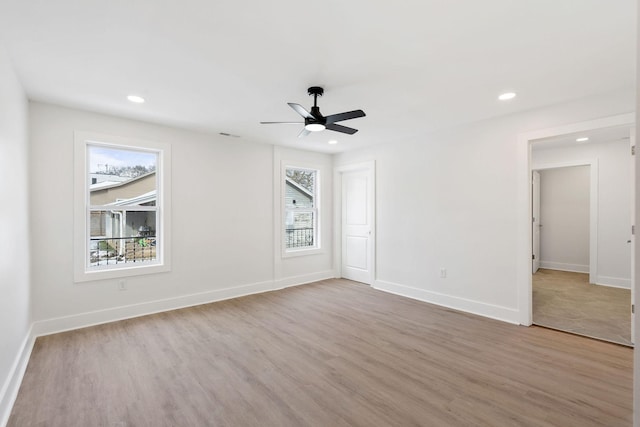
(299, 187)
(101, 177)
(105, 184)
(138, 200)
(111, 184)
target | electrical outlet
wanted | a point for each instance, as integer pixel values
(443, 273)
(122, 285)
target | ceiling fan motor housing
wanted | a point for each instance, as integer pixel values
(315, 112)
(315, 91)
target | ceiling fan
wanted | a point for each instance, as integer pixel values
(314, 121)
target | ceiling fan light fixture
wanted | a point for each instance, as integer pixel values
(314, 127)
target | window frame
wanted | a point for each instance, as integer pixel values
(316, 211)
(83, 271)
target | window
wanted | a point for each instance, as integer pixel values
(121, 209)
(301, 209)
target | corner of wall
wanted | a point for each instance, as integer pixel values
(11, 386)
(15, 304)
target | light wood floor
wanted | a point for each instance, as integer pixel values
(567, 301)
(333, 353)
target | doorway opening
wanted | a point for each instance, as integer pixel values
(582, 207)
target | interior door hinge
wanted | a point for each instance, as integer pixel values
(633, 230)
(533, 256)
(633, 150)
(633, 308)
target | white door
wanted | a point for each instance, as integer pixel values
(535, 203)
(357, 226)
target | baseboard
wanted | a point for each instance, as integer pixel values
(9, 391)
(303, 279)
(504, 314)
(575, 268)
(613, 282)
(83, 320)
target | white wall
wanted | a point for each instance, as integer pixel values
(451, 200)
(614, 203)
(223, 237)
(564, 216)
(15, 317)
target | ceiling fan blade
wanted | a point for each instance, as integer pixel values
(340, 128)
(345, 116)
(301, 110)
(303, 133)
(281, 123)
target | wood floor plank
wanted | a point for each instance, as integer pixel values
(333, 353)
(566, 301)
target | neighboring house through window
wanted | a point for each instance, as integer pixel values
(121, 227)
(301, 209)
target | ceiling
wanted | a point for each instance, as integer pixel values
(596, 136)
(413, 66)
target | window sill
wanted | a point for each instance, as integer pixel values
(301, 252)
(116, 273)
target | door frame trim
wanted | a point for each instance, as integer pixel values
(535, 214)
(593, 207)
(523, 182)
(369, 166)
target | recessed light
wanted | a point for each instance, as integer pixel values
(506, 96)
(582, 139)
(135, 98)
(333, 142)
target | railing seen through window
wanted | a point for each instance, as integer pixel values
(299, 237)
(121, 250)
